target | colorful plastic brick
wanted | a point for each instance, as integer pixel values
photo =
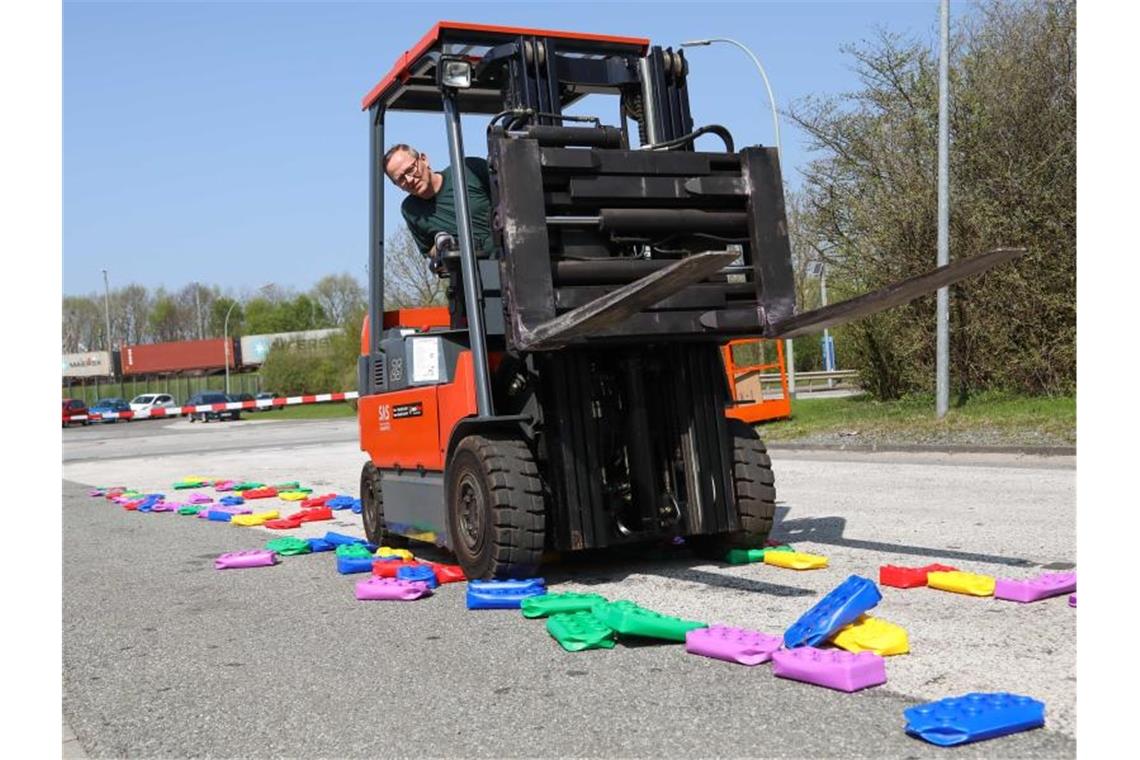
(191, 483)
(418, 573)
(225, 514)
(909, 577)
(546, 605)
(164, 506)
(962, 583)
(346, 565)
(387, 551)
(744, 556)
(317, 501)
(390, 589)
(500, 595)
(739, 645)
(1041, 586)
(288, 546)
(248, 558)
(224, 485)
(832, 668)
(794, 560)
(320, 545)
(316, 514)
(354, 550)
(259, 493)
(199, 498)
(255, 519)
(282, 524)
(578, 631)
(869, 634)
(247, 485)
(357, 506)
(842, 605)
(448, 573)
(513, 583)
(292, 485)
(291, 495)
(341, 538)
(231, 500)
(973, 717)
(339, 502)
(1072, 600)
(385, 568)
(188, 509)
(629, 619)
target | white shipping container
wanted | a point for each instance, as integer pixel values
(254, 348)
(89, 364)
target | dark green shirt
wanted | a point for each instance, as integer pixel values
(437, 214)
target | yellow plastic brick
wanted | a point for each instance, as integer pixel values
(258, 518)
(869, 634)
(388, 551)
(962, 583)
(293, 495)
(795, 560)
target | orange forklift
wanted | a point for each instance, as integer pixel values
(573, 394)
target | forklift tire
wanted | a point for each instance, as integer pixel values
(496, 513)
(372, 509)
(755, 489)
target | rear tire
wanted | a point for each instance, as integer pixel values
(496, 513)
(754, 485)
(372, 509)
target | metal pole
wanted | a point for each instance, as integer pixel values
(791, 351)
(827, 365)
(198, 306)
(942, 350)
(107, 305)
(472, 291)
(226, 342)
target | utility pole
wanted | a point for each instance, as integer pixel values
(107, 309)
(198, 305)
(942, 347)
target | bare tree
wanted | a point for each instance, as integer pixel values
(407, 279)
(339, 296)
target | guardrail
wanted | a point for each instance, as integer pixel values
(839, 379)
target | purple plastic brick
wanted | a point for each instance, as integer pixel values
(1072, 600)
(199, 498)
(390, 589)
(739, 645)
(833, 668)
(247, 558)
(1042, 586)
(164, 506)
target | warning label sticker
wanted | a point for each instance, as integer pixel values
(402, 411)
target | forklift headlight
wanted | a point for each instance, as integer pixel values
(455, 73)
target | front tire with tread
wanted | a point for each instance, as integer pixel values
(754, 485)
(372, 509)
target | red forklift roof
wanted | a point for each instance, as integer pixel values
(486, 34)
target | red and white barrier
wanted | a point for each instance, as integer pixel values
(265, 403)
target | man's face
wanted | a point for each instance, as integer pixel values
(412, 175)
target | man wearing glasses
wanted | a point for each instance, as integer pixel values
(429, 208)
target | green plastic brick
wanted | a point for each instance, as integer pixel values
(628, 619)
(545, 605)
(358, 551)
(189, 509)
(744, 556)
(577, 631)
(289, 545)
(247, 486)
(292, 485)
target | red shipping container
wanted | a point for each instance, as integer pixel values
(178, 357)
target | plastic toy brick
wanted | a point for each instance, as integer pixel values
(578, 631)
(341, 538)
(514, 583)
(869, 634)
(316, 514)
(225, 514)
(252, 520)
(282, 524)
(248, 558)
(794, 560)
(973, 717)
(132, 506)
(962, 583)
(346, 565)
(390, 589)
(744, 556)
(247, 485)
(357, 506)
(231, 501)
(418, 573)
(739, 645)
(909, 577)
(188, 509)
(291, 495)
(546, 605)
(1041, 586)
(842, 605)
(629, 619)
(164, 506)
(354, 550)
(144, 507)
(320, 545)
(288, 546)
(199, 498)
(387, 568)
(224, 485)
(339, 502)
(387, 551)
(259, 493)
(448, 573)
(184, 484)
(292, 485)
(832, 668)
(317, 501)
(1072, 600)
(501, 595)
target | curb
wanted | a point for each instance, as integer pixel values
(1046, 451)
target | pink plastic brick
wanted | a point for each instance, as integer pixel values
(739, 645)
(164, 506)
(832, 668)
(1042, 586)
(390, 589)
(199, 498)
(1072, 600)
(247, 558)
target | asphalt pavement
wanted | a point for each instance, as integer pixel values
(166, 657)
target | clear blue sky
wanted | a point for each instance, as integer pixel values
(224, 143)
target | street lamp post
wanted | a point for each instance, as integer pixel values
(226, 341)
(107, 309)
(780, 152)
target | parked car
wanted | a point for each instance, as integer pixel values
(150, 401)
(212, 397)
(265, 396)
(73, 407)
(109, 405)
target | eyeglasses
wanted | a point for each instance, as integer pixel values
(407, 176)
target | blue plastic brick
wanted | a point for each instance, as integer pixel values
(320, 545)
(340, 502)
(418, 573)
(231, 501)
(973, 717)
(357, 506)
(336, 539)
(346, 565)
(501, 595)
(842, 605)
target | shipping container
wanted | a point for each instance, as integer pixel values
(183, 356)
(89, 364)
(254, 348)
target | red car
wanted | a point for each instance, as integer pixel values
(73, 407)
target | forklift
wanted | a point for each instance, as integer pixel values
(572, 395)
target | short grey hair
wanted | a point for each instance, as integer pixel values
(394, 150)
